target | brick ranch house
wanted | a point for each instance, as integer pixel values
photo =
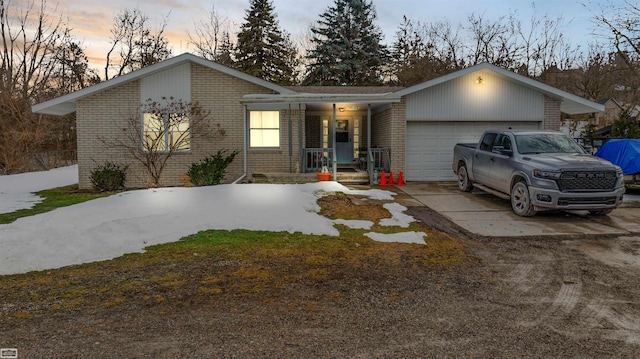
(279, 129)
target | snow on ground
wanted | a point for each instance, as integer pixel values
(127, 222)
(407, 237)
(16, 191)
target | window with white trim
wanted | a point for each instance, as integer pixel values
(264, 129)
(164, 134)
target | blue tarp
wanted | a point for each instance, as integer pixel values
(624, 153)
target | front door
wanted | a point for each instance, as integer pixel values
(344, 141)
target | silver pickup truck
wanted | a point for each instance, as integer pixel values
(537, 171)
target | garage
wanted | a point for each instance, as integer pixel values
(429, 144)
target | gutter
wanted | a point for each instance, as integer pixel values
(244, 147)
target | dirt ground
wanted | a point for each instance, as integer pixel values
(523, 297)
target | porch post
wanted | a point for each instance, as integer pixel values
(333, 138)
(369, 159)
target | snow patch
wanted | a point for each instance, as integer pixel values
(398, 218)
(403, 237)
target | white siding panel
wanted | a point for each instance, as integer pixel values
(429, 146)
(173, 82)
(462, 99)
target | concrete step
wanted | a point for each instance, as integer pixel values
(351, 177)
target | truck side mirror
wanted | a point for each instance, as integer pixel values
(506, 153)
(502, 151)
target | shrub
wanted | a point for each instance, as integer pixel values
(211, 170)
(108, 177)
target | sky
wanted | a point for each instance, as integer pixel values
(91, 20)
(127, 222)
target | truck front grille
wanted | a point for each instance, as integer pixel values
(586, 181)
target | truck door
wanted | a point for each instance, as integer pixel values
(482, 159)
(499, 164)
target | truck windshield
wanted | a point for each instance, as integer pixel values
(546, 143)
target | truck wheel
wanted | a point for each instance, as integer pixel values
(464, 184)
(520, 200)
(600, 212)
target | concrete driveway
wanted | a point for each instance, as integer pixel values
(483, 214)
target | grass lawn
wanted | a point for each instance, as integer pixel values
(52, 199)
(222, 265)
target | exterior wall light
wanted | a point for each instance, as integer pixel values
(479, 80)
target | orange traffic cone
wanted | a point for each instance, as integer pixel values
(383, 179)
(391, 178)
(400, 180)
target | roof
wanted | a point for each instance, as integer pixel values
(570, 103)
(67, 104)
(362, 90)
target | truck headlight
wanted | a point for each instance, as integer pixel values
(552, 175)
(619, 176)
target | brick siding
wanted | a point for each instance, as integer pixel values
(389, 131)
(101, 118)
(552, 114)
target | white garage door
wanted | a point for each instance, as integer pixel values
(430, 145)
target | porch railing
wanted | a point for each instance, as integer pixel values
(380, 158)
(314, 158)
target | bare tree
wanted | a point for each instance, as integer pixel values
(542, 44)
(72, 71)
(169, 126)
(29, 58)
(621, 26)
(211, 38)
(596, 79)
(133, 44)
(492, 41)
(446, 42)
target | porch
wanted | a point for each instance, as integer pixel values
(348, 135)
(364, 169)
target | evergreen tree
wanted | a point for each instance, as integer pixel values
(625, 126)
(263, 50)
(224, 53)
(347, 46)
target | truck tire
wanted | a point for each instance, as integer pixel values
(464, 184)
(521, 201)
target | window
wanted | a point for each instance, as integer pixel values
(356, 138)
(502, 143)
(325, 133)
(264, 129)
(164, 134)
(487, 142)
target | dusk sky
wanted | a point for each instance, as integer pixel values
(91, 20)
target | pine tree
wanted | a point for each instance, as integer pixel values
(625, 126)
(348, 48)
(263, 50)
(224, 53)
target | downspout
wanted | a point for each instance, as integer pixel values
(244, 146)
(333, 138)
(369, 157)
(290, 142)
(300, 148)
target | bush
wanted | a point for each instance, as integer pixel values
(108, 177)
(210, 170)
